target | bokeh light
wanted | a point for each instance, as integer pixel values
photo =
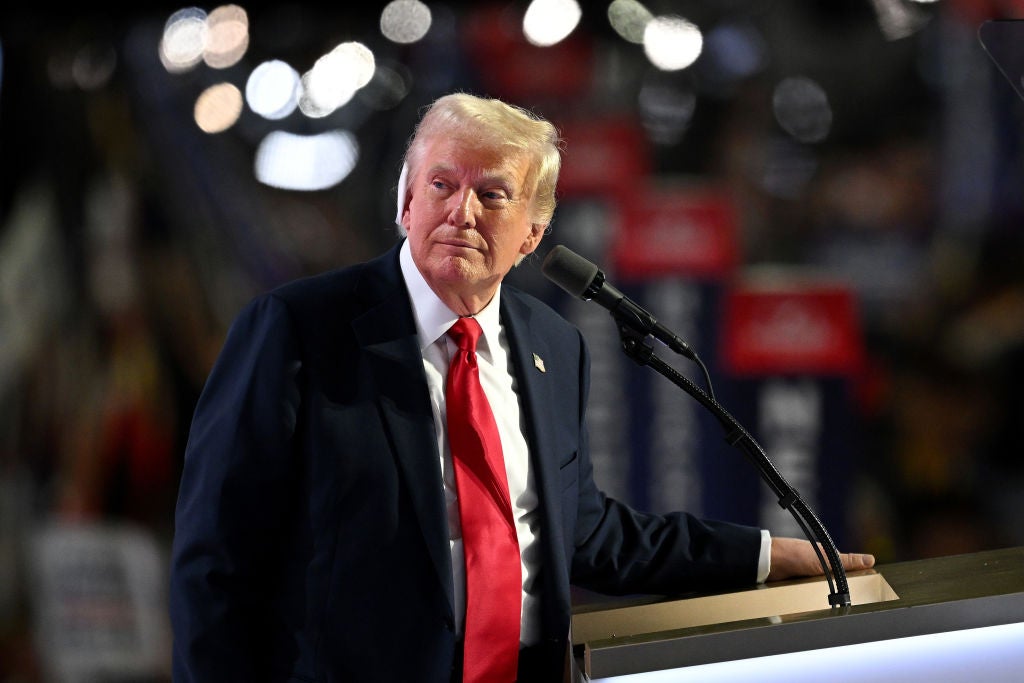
(405, 21)
(802, 109)
(898, 19)
(227, 36)
(629, 19)
(335, 78)
(672, 43)
(548, 22)
(93, 65)
(666, 112)
(184, 39)
(306, 162)
(272, 89)
(218, 108)
(735, 51)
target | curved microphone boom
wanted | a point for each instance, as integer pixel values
(582, 279)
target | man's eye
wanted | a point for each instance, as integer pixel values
(494, 195)
(437, 184)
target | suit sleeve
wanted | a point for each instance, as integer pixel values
(233, 500)
(619, 550)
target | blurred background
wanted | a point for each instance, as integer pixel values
(824, 198)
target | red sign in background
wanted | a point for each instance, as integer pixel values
(676, 228)
(604, 157)
(514, 69)
(798, 327)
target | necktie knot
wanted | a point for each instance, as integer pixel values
(465, 333)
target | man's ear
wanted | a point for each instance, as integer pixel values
(406, 216)
(403, 198)
(537, 231)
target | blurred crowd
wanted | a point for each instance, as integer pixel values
(128, 239)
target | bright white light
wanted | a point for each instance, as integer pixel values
(272, 90)
(335, 78)
(672, 43)
(184, 39)
(308, 163)
(629, 19)
(405, 21)
(309, 105)
(991, 653)
(548, 22)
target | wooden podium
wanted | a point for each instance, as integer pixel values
(935, 596)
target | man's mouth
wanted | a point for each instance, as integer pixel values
(458, 244)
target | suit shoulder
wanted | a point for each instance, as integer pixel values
(339, 291)
(338, 280)
(541, 311)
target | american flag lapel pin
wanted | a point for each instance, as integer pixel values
(538, 363)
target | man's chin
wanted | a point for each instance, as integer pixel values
(458, 267)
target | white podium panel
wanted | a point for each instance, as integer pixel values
(946, 619)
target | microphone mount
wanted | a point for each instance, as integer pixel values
(636, 326)
(636, 347)
(629, 314)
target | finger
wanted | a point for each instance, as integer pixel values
(858, 560)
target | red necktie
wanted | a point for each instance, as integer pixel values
(491, 547)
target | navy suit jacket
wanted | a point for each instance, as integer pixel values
(311, 539)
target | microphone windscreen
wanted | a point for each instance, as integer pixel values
(569, 270)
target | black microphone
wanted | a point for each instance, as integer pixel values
(581, 278)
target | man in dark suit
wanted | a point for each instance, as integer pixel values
(318, 532)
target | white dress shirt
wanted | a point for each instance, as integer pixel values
(433, 318)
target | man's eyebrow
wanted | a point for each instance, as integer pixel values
(504, 179)
(440, 168)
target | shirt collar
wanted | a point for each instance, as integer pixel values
(433, 317)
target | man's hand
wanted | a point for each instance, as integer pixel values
(792, 557)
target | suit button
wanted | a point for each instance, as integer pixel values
(449, 623)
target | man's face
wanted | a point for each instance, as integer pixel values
(468, 218)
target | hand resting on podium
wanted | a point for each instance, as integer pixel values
(794, 557)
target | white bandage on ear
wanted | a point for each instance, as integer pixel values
(403, 183)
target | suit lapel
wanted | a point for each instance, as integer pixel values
(387, 333)
(529, 348)
(541, 389)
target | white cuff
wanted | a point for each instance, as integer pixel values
(764, 560)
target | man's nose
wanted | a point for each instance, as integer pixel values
(464, 212)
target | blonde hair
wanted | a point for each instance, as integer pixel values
(508, 126)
